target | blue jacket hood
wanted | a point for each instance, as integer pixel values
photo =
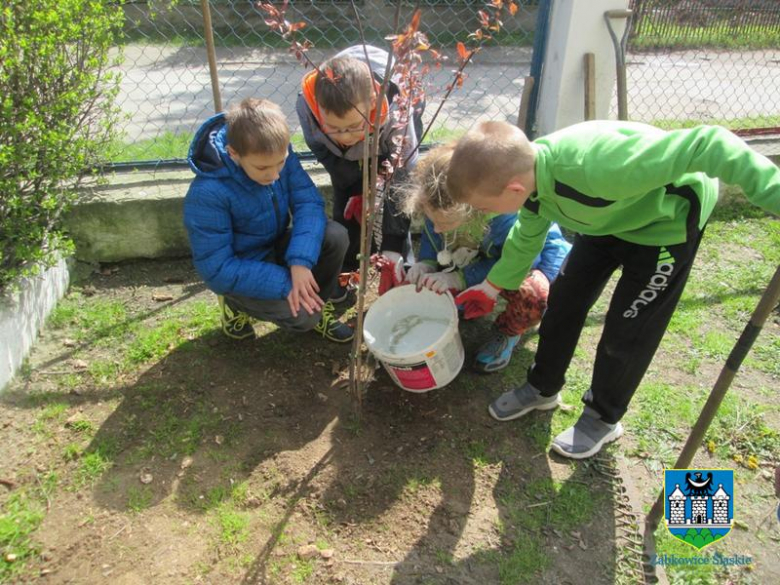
(208, 156)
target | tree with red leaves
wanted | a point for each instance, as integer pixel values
(411, 58)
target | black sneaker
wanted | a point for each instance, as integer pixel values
(235, 324)
(339, 295)
(331, 328)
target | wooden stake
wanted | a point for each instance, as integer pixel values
(589, 62)
(208, 32)
(525, 100)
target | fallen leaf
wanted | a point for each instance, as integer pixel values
(219, 439)
(146, 478)
(69, 342)
(160, 297)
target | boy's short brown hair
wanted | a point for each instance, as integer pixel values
(342, 84)
(487, 158)
(257, 126)
(427, 191)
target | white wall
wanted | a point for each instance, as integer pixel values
(24, 312)
(576, 27)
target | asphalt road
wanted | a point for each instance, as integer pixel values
(169, 88)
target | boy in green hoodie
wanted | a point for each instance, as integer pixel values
(638, 198)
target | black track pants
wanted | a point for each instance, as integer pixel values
(646, 295)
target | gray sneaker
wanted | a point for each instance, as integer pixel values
(515, 403)
(587, 436)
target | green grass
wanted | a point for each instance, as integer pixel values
(735, 124)
(232, 525)
(713, 36)
(91, 468)
(139, 498)
(172, 145)
(524, 562)
(21, 517)
(133, 341)
(22, 513)
(740, 432)
(417, 481)
(683, 574)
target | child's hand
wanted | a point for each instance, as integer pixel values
(418, 270)
(354, 208)
(441, 282)
(391, 270)
(478, 300)
(304, 291)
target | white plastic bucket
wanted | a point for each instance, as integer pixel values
(415, 337)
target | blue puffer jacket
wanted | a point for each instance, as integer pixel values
(234, 222)
(555, 250)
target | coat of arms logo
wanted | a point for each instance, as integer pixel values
(699, 504)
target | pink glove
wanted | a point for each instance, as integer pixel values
(391, 270)
(478, 300)
(417, 271)
(354, 208)
(441, 282)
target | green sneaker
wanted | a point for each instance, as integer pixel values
(235, 324)
(331, 328)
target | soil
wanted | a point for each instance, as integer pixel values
(404, 488)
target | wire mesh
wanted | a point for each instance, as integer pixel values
(166, 88)
(709, 61)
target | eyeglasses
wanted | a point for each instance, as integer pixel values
(331, 131)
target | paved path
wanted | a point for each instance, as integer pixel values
(168, 88)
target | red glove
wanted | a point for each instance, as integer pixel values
(478, 300)
(391, 270)
(354, 208)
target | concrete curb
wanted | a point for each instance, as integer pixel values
(23, 313)
(139, 214)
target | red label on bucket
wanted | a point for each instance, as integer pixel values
(416, 377)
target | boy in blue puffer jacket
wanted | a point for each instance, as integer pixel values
(458, 248)
(257, 226)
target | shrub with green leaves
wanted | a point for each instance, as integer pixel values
(57, 117)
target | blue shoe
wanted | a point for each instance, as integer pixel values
(331, 328)
(235, 324)
(496, 354)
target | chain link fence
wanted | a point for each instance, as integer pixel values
(166, 90)
(715, 61)
(708, 61)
